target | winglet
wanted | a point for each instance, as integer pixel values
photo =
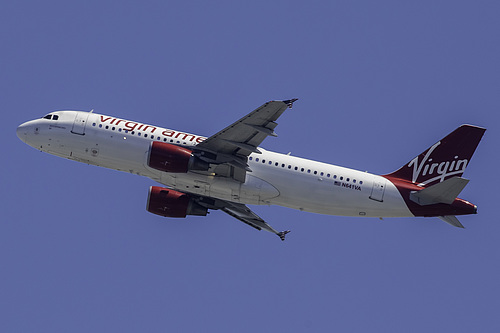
(290, 102)
(282, 234)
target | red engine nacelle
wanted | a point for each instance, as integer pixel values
(171, 158)
(169, 203)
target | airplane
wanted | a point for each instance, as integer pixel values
(229, 170)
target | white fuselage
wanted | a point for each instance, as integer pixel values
(275, 179)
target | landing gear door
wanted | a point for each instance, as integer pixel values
(80, 123)
(378, 189)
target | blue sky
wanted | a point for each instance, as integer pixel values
(377, 81)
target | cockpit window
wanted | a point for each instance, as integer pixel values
(50, 116)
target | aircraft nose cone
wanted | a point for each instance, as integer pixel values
(22, 132)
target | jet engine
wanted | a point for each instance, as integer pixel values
(171, 158)
(170, 203)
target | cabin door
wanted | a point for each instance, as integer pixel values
(378, 190)
(80, 123)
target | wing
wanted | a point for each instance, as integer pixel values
(228, 149)
(246, 215)
(240, 212)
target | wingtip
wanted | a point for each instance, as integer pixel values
(290, 102)
(283, 234)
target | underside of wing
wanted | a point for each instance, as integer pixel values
(240, 212)
(228, 149)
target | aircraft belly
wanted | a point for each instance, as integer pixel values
(256, 187)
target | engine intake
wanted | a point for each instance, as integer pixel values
(170, 203)
(171, 158)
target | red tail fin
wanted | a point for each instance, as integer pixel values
(445, 159)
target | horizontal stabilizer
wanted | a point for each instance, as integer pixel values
(444, 192)
(452, 220)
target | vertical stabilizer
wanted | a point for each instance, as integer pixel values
(445, 159)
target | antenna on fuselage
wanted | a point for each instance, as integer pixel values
(91, 111)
